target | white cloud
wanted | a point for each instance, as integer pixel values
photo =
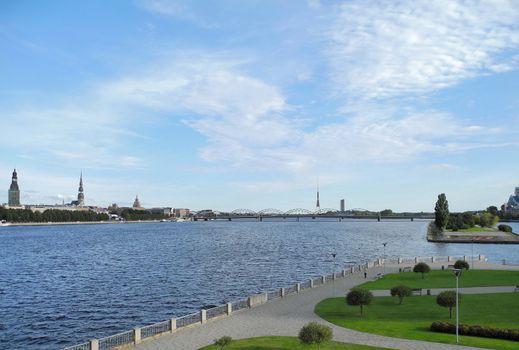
(385, 49)
(175, 9)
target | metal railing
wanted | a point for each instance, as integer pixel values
(154, 329)
(117, 340)
(82, 346)
(239, 305)
(306, 285)
(274, 295)
(291, 290)
(188, 320)
(216, 311)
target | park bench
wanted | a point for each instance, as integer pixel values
(379, 275)
(450, 267)
(416, 291)
(516, 289)
(406, 269)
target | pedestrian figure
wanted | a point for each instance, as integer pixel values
(365, 274)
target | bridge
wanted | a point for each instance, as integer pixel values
(298, 213)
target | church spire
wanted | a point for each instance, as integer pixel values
(14, 191)
(80, 195)
(318, 206)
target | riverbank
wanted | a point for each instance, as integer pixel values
(13, 224)
(479, 237)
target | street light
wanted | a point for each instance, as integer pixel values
(333, 280)
(384, 257)
(457, 273)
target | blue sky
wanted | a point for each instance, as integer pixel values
(248, 104)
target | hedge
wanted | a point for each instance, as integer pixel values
(476, 331)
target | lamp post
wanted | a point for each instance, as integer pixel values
(333, 280)
(384, 257)
(457, 273)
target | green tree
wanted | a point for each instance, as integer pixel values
(359, 297)
(386, 212)
(461, 264)
(493, 210)
(315, 333)
(422, 268)
(448, 299)
(401, 292)
(222, 342)
(441, 211)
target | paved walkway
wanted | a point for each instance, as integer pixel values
(285, 317)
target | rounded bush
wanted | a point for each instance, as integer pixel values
(401, 292)
(504, 228)
(448, 299)
(461, 264)
(315, 333)
(422, 268)
(359, 297)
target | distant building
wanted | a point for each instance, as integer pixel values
(80, 196)
(137, 203)
(342, 205)
(14, 191)
(181, 212)
(162, 211)
(513, 202)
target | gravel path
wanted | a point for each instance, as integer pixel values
(286, 316)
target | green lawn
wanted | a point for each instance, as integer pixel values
(445, 279)
(474, 229)
(412, 319)
(286, 343)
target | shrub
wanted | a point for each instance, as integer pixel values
(422, 268)
(222, 342)
(359, 297)
(461, 264)
(315, 333)
(504, 228)
(448, 299)
(401, 292)
(476, 331)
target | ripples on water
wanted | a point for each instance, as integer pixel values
(61, 285)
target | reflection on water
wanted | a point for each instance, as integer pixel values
(60, 285)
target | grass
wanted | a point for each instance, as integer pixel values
(412, 319)
(445, 279)
(286, 343)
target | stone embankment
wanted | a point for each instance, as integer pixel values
(482, 237)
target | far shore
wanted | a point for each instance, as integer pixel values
(484, 236)
(10, 224)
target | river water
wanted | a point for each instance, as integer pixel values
(61, 285)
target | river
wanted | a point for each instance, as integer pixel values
(61, 285)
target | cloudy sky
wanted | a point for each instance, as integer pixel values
(248, 104)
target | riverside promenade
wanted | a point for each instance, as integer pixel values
(286, 316)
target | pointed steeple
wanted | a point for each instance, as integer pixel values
(14, 191)
(318, 206)
(136, 203)
(80, 195)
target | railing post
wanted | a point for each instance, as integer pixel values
(415, 259)
(94, 344)
(352, 269)
(173, 324)
(298, 287)
(464, 258)
(323, 279)
(229, 308)
(399, 261)
(449, 258)
(282, 292)
(311, 282)
(203, 316)
(334, 276)
(343, 273)
(136, 335)
(432, 259)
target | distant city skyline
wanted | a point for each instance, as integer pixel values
(237, 104)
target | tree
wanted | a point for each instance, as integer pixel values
(401, 292)
(386, 212)
(422, 268)
(461, 264)
(493, 210)
(441, 211)
(222, 342)
(448, 299)
(315, 333)
(359, 297)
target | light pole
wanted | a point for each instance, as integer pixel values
(333, 280)
(384, 257)
(457, 273)
(472, 241)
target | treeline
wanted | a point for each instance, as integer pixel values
(133, 215)
(50, 215)
(467, 220)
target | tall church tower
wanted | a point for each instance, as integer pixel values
(14, 191)
(80, 195)
(317, 205)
